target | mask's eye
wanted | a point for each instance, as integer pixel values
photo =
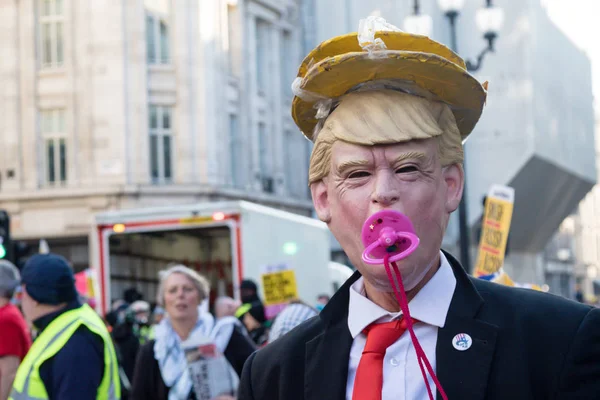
(407, 169)
(359, 174)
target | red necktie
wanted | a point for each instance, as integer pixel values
(368, 382)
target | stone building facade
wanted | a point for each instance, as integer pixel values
(120, 104)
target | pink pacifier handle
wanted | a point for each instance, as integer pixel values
(424, 364)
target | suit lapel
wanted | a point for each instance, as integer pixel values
(464, 374)
(327, 355)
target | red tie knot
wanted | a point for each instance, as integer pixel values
(382, 336)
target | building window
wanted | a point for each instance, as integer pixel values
(263, 154)
(55, 146)
(51, 33)
(287, 64)
(263, 151)
(233, 51)
(157, 40)
(161, 143)
(296, 164)
(290, 168)
(262, 55)
(235, 152)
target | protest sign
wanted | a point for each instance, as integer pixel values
(209, 370)
(494, 230)
(279, 287)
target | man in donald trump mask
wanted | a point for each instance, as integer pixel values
(388, 113)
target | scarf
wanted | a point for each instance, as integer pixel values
(171, 358)
(223, 329)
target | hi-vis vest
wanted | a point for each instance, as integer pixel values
(29, 386)
(146, 333)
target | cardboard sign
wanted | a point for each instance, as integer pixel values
(279, 286)
(84, 283)
(503, 279)
(209, 370)
(494, 230)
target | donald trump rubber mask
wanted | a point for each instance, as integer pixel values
(387, 112)
(384, 149)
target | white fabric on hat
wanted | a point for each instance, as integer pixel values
(366, 33)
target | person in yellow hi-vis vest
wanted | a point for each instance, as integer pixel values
(72, 356)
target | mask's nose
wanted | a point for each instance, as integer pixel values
(385, 192)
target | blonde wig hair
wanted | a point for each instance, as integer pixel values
(382, 117)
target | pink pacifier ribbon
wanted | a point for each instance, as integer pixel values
(388, 237)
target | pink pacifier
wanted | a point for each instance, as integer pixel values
(389, 236)
(388, 232)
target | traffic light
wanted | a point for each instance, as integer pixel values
(5, 242)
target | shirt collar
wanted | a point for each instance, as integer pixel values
(430, 305)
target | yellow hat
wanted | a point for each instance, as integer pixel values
(380, 52)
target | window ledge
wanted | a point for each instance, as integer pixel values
(52, 71)
(161, 67)
(51, 186)
(161, 182)
(233, 80)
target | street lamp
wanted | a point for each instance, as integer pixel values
(451, 8)
(417, 23)
(489, 20)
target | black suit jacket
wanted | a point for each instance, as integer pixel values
(526, 345)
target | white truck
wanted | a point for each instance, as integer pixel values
(224, 241)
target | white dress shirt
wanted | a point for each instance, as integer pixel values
(402, 378)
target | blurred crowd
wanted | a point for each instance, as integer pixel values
(147, 338)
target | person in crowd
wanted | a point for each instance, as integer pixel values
(161, 371)
(140, 311)
(116, 315)
(579, 294)
(226, 306)
(73, 355)
(226, 323)
(132, 295)
(388, 112)
(249, 292)
(15, 339)
(291, 316)
(252, 315)
(127, 344)
(157, 315)
(322, 301)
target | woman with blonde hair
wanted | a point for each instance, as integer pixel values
(161, 369)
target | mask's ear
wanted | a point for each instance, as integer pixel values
(320, 200)
(454, 178)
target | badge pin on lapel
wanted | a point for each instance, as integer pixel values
(462, 342)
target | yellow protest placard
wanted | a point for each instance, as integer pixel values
(279, 287)
(494, 230)
(504, 279)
